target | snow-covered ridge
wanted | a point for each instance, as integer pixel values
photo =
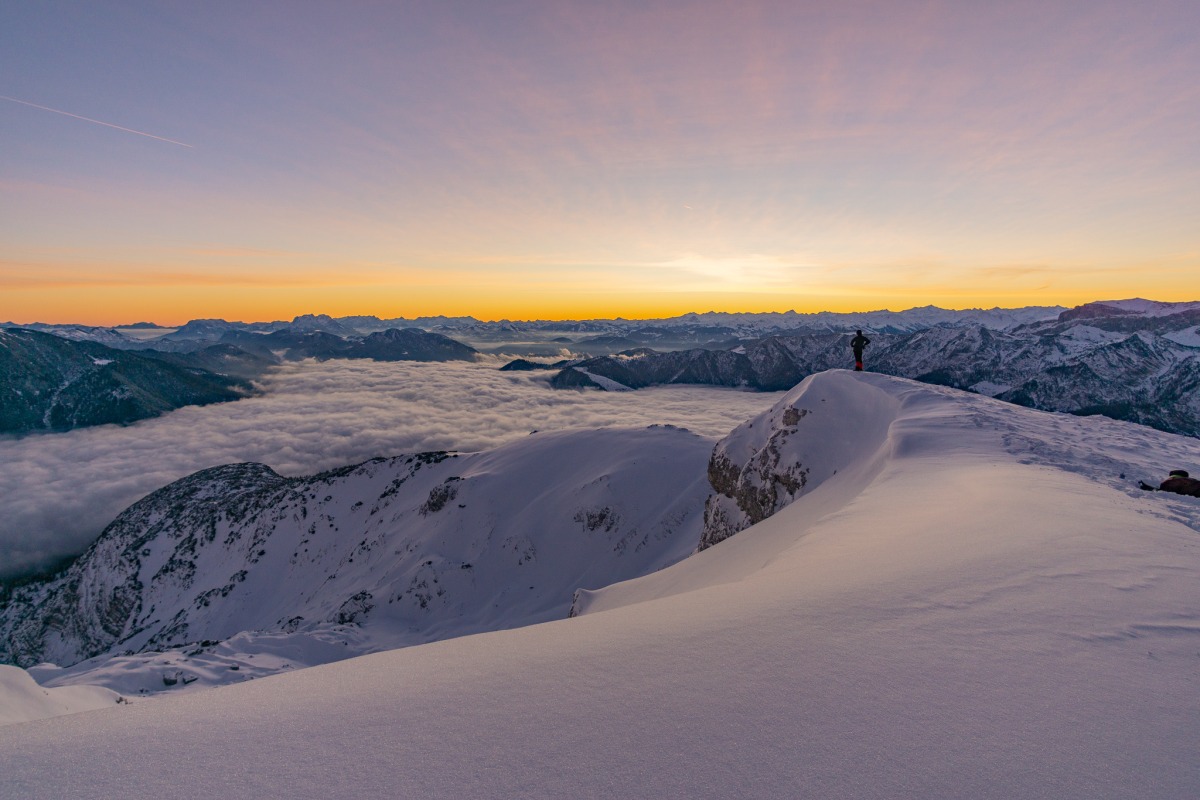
(769, 461)
(978, 603)
(832, 441)
(387, 553)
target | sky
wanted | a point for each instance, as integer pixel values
(311, 417)
(552, 160)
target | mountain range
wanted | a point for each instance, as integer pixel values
(57, 383)
(1136, 360)
(50, 383)
(1131, 360)
(586, 336)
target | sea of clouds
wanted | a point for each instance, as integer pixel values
(61, 489)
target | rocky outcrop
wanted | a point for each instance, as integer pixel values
(750, 489)
(771, 461)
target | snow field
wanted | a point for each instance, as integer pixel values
(972, 606)
(23, 700)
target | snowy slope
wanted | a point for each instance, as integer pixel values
(976, 605)
(23, 700)
(236, 572)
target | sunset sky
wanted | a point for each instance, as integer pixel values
(254, 161)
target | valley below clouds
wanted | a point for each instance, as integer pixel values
(61, 489)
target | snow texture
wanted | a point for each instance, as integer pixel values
(23, 700)
(388, 553)
(979, 603)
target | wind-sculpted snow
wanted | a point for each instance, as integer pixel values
(815, 430)
(980, 605)
(23, 700)
(409, 549)
(825, 444)
(310, 417)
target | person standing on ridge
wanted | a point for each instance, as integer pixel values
(858, 343)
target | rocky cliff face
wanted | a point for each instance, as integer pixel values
(102, 598)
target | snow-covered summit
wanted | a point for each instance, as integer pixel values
(769, 461)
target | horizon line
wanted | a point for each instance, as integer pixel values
(618, 318)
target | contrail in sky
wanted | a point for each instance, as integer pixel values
(89, 119)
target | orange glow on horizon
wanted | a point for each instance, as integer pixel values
(169, 287)
(115, 306)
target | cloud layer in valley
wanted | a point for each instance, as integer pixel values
(60, 490)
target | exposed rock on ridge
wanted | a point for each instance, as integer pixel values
(768, 462)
